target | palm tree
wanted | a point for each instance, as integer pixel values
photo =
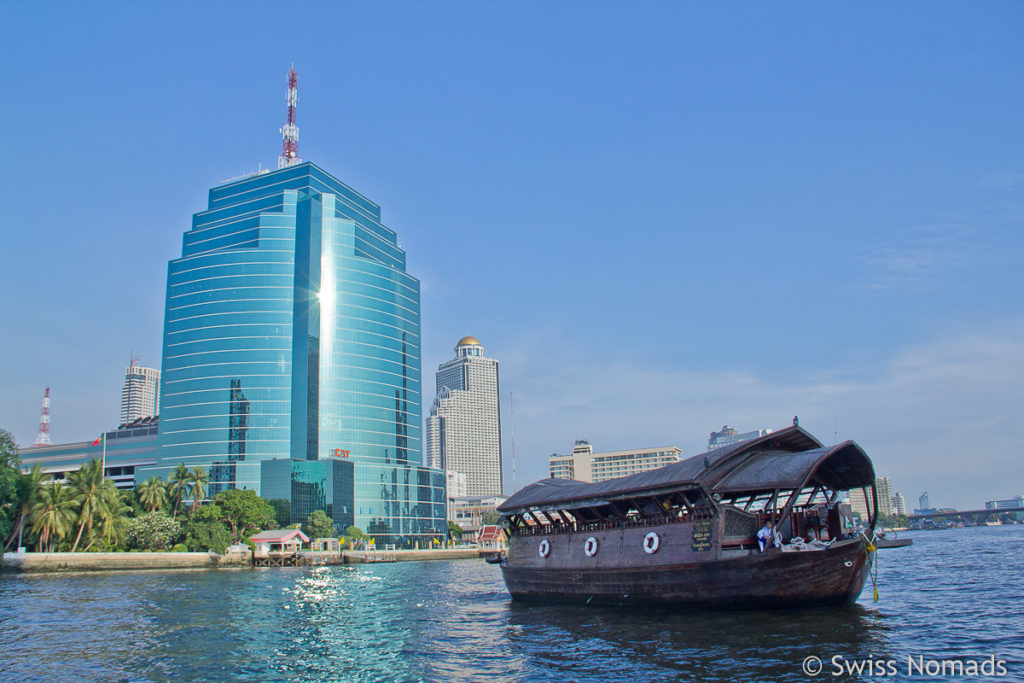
(179, 481)
(111, 515)
(88, 490)
(52, 514)
(29, 486)
(199, 479)
(153, 494)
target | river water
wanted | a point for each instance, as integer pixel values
(955, 595)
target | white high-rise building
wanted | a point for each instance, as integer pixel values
(885, 499)
(140, 396)
(900, 504)
(464, 427)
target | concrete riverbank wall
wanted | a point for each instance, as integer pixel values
(94, 562)
(370, 556)
(30, 563)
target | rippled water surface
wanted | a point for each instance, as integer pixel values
(956, 593)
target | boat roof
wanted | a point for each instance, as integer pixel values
(784, 459)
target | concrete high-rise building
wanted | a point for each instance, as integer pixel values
(884, 488)
(900, 504)
(292, 332)
(140, 396)
(464, 427)
(728, 435)
(583, 464)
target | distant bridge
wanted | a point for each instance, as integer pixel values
(976, 517)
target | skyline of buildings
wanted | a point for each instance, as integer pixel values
(124, 457)
(583, 464)
(140, 395)
(463, 431)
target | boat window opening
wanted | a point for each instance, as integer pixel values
(869, 503)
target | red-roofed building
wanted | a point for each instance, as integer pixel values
(279, 541)
(491, 536)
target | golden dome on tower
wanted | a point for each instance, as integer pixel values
(469, 341)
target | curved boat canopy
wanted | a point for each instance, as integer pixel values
(787, 459)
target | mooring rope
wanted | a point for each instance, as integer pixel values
(873, 572)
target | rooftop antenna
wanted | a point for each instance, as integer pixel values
(43, 438)
(290, 132)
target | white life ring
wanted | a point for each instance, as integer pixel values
(590, 547)
(651, 543)
(545, 548)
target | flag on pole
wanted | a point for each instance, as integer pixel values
(98, 440)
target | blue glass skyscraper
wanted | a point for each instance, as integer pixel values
(292, 331)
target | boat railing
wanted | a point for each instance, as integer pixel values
(633, 521)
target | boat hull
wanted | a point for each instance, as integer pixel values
(751, 580)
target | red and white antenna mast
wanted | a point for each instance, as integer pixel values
(290, 132)
(43, 438)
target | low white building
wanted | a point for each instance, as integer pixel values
(583, 464)
(469, 512)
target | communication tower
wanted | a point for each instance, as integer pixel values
(43, 438)
(290, 132)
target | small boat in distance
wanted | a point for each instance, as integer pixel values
(686, 534)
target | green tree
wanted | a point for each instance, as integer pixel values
(152, 494)
(318, 525)
(244, 511)
(130, 498)
(198, 480)
(454, 530)
(10, 471)
(178, 486)
(205, 530)
(207, 535)
(490, 517)
(209, 513)
(91, 491)
(112, 518)
(53, 515)
(152, 531)
(28, 487)
(354, 534)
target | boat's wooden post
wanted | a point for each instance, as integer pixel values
(770, 507)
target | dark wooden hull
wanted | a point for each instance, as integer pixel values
(744, 580)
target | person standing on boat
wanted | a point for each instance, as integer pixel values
(765, 536)
(814, 523)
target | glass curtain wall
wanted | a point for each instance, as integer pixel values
(292, 331)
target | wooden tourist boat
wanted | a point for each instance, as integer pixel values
(687, 533)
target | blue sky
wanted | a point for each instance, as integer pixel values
(660, 217)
